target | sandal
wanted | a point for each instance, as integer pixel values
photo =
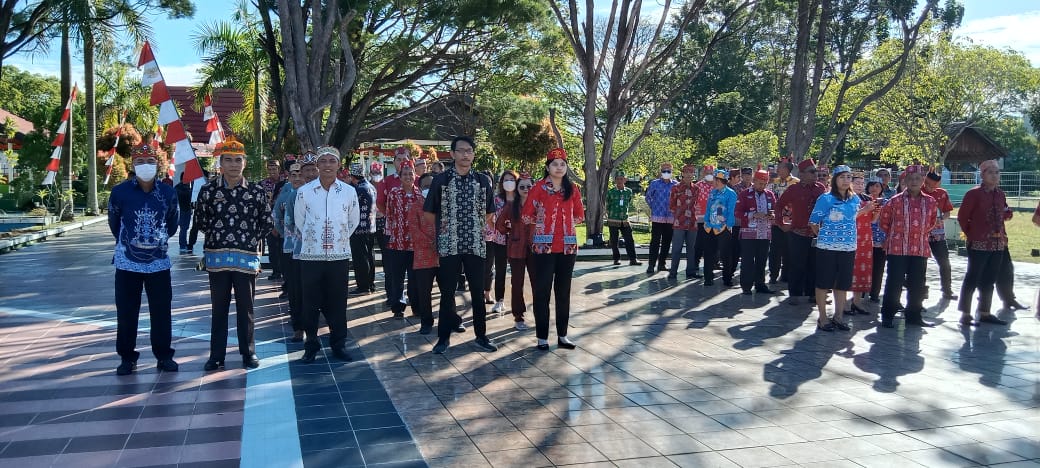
(839, 325)
(827, 327)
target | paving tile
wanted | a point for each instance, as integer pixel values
(674, 444)
(755, 457)
(706, 459)
(983, 454)
(602, 432)
(937, 457)
(462, 461)
(552, 436)
(571, 454)
(345, 457)
(805, 452)
(390, 453)
(725, 440)
(501, 441)
(519, 457)
(439, 448)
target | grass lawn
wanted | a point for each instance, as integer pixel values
(1023, 236)
(641, 238)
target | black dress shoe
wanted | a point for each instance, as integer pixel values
(1014, 305)
(425, 329)
(650, 270)
(617, 262)
(635, 263)
(441, 346)
(697, 275)
(543, 347)
(564, 345)
(949, 295)
(250, 361)
(342, 354)
(297, 336)
(992, 319)
(167, 365)
(309, 355)
(126, 368)
(212, 365)
(709, 282)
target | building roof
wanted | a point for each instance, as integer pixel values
(969, 144)
(20, 125)
(225, 102)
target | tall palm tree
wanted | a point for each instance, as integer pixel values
(234, 57)
(97, 23)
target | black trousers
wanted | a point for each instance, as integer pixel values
(698, 247)
(718, 246)
(754, 254)
(294, 288)
(448, 280)
(495, 262)
(398, 265)
(128, 288)
(800, 273)
(877, 273)
(735, 245)
(941, 254)
(193, 236)
(908, 271)
(777, 254)
(363, 258)
(1005, 284)
(660, 242)
(984, 267)
(221, 285)
(630, 245)
(422, 297)
(552, 275)
(274, 251)
(325, 292)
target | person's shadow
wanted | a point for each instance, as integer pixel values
(893, 353)
(983, 352)
(805, 361)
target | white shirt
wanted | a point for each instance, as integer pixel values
(325, 219)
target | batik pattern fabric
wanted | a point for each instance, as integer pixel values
(702, 198)
(326, 218)
(142, 223)
(366, 195)
(424, 238)
(683, 203)
(278, 217)
(942, 200)
(877, 235)
(235, 221)
(778, 185)
(553, 218)
(398, 228)
(750, 203)
(837, 221)
(460, 203)
(907, 221)
(719, 210)
(982, 216)
(618, 203)
(657, 196)
(490, 233)
(863, 264)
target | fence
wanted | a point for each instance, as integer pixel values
(1021, 188)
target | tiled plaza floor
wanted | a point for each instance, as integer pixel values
(666, 374)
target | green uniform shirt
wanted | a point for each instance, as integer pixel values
(618, 203)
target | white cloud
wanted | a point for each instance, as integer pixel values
(1017, 32)
(185, 75)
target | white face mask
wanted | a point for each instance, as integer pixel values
(666, 175)
(709, 177)
(425, 192)
(509, 185)
(377, 177)
(146, 172)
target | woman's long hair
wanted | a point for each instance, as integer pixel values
(837, 194)
(516, 200)
(568, 186)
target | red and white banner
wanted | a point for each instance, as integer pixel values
(59, 140)
(112, 152)
(183, 159)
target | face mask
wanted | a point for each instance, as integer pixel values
(425, 192)
(666, 175)
(377, 178)
(709, 177)
(146, 172)
(509, 185)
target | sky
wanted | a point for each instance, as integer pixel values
(999, 23)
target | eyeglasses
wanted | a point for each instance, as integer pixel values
(666, 172)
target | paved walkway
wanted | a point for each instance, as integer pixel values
(666, 374)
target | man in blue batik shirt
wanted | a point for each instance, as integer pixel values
(718, 226)
(142, 216)
(658, 194)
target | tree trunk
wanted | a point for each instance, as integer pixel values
(258, 114)
(66, 149)
(91, 110)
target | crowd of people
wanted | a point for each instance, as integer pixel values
(832, 235)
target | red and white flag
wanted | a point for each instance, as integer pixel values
(59, 140)
(112, 152)
(184, 159)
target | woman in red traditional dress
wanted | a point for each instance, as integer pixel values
(862, 268)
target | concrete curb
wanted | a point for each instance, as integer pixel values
(13, 243)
